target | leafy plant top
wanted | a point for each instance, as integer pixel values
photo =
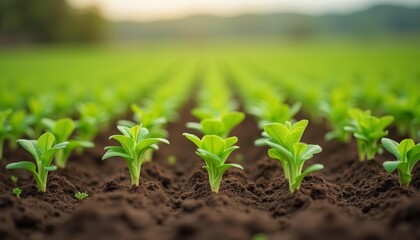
(284, 140)
(215, 150)
(134, 143)
(407, 154)
(43, 151)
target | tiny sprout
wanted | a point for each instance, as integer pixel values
(17, 191)
(259, 236)
(171, 160)
(81, 195)
(14, 180)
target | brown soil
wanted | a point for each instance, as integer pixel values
(347, 200)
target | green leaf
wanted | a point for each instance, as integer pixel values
(30, 166)
(126, 142)
(392, 147)
(45, 142)
(277, 131)
(212, 127)
(51, 168)
(312, 168)
(405, 146)
(230, 141)
(145, 143)
(301, 125)
(414, 153)
(63, 128)
(211, 156)
(60, 145)
(124, 130)
(193, 139)
(299, 149)
(213, 144)
(232, 119)
(391, 166)
(310, 151)
(194, 125)
(227, 152)
(116, 152)
(31, 146)
(385, 121)
(282, 151)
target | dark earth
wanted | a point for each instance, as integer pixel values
(347, 200)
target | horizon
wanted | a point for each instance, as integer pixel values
(161, 10)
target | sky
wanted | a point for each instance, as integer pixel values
(150, 10)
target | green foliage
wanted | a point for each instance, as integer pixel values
(220, 126)
(43, 152)
(150, 118)
(81, 195)
(39, 108)
(63, 130)
(273, 111)
(92, 118)
(367, 130)
(215, 150)
(19, 122)
(17, 191)
(284, 140)
(134, 143)
(407, 154)
(336, 112)
(5, 128)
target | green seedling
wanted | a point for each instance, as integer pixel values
(5, 128)
(17, 191)
(215, 150)
(14, 180)
(62, 130)
(284, 140)
(43, 152)
(273, 111)
(20, 125)
(367, 130)
(150, 118)
(134, 143)
(171, 160)
(81, 195)
(92, 119)
(336, 112)
(39, 108)
(220, 126)
(407, 154)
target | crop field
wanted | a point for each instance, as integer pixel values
(251, 140)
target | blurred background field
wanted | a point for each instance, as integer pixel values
(47, 45)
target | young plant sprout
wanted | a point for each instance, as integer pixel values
(17, 191)
(62, 130)
(134, 143)
(14, 180)
(150, 118)
(272, 110)
(284, 140)
(5, 128)
(407, 154)
(43, 152)
(81, 195)
(218, 126)
(20, 125)
(92, 119)
(367, 130)
(39, 108)
(215, 150)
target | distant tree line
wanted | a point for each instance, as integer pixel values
(48, 21)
